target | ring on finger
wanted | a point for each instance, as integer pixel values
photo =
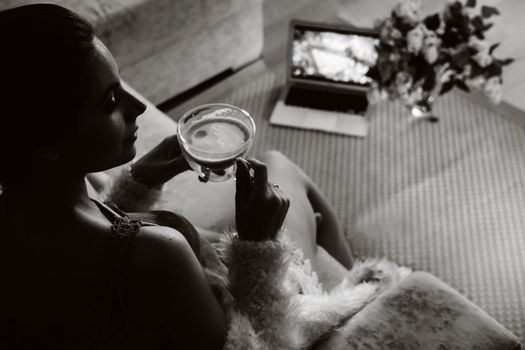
(276, 186)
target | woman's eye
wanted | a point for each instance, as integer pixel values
(112, 103)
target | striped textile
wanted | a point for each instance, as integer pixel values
(445, 197)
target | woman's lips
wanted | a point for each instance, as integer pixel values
(133, 136)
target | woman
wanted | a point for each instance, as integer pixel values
(65, 114)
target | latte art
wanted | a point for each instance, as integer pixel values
(217, 135)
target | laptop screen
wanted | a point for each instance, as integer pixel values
(331, 55)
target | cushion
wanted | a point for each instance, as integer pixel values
(165, 47)
(421, 312)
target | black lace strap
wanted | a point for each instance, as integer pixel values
(107, 290)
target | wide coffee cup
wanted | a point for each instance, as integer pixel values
(212, 136)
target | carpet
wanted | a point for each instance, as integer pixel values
(445, 197)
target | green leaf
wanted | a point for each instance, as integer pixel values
(487, 26)
(488, 11)
(385, 70)
(432, 22)
(429, 82)
(446, 87)
(494, 69)
(476, 69)
(493, 47)
(461, 85)
(471, 3)
(506, 61)
(477, 22)
(461, 57)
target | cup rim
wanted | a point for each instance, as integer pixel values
(208, 105)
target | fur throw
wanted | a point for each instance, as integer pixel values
(274, 300)
(129, 194)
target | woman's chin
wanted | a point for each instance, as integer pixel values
(129, 153)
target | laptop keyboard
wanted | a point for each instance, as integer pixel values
(326, 100)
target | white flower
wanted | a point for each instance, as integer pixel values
(482, 56)
(476, 83)
(403, 82)
(444, 77)
(396, 33)
(386, 30)
(470, 12)
(479, 45)
(431, 53)
(415, 39)
(493, 89)
(467, 71)
(483, 59)
(431, 46)
(408, 10)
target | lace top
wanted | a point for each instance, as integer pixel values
(107, 292)
(105, 313)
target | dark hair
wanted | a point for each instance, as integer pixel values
(45, 51)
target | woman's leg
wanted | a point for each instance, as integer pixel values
(305, 200)
(329, 233)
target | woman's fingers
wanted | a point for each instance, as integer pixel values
(260, 175)
(284, 205)
(243, 182)
(261, 208)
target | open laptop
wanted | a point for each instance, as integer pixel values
(326, 78)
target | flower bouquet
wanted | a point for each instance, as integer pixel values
(419, 58)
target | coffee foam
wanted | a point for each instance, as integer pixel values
(217, 135)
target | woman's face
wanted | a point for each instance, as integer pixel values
(106, 130)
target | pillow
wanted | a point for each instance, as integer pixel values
(421, 312)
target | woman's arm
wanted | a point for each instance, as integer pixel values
(139, 186)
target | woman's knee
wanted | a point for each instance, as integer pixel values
(273, 156)
(281, 166)
(277, 161)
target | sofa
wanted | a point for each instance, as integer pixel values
(163, 55)
(166, 47)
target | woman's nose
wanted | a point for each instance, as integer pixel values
(135, 106)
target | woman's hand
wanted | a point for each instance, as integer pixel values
(260, 207)
(160, 164)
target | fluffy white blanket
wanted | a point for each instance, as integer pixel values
(274, 300)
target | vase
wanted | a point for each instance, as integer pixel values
(422, 107)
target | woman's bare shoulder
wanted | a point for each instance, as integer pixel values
(166, 288)
(158, 246)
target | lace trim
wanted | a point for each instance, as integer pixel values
(123, 233)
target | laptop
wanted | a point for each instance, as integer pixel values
(326, 78)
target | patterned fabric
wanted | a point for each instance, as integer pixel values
(421, 312)
(444, 197)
